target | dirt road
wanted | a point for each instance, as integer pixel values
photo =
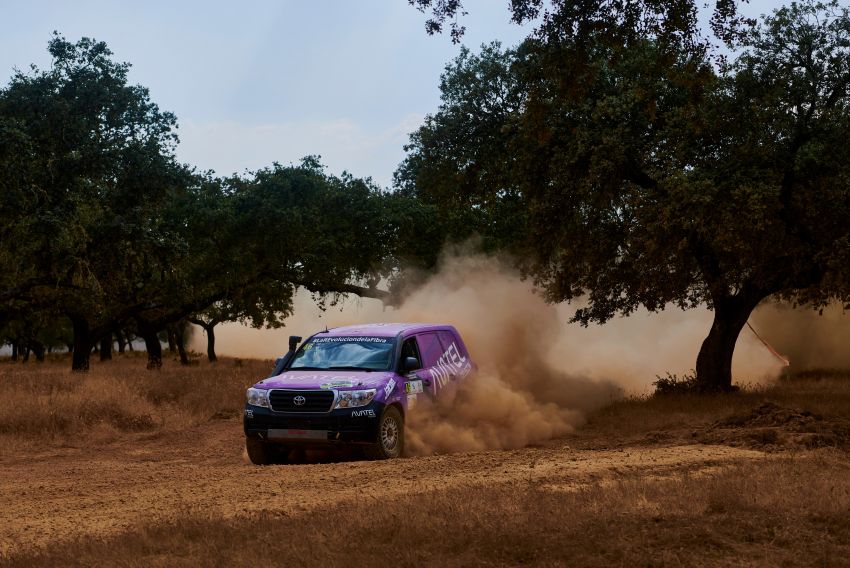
(71, 492)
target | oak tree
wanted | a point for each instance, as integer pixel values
(657, 175)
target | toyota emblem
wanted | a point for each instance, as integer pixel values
(299, 400)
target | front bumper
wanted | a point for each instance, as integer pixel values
(340, 426)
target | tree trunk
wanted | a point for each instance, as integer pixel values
(154, 348)
(211, 356)
(181, 349)
(119, 337)
(714, 362)
(26, 354)
(209, 329)
(106, 347)
(180, 340)
(38, 349)
(82, 345)
(15, 351)
(172, 340)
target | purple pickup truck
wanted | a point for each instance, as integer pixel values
(351, 385)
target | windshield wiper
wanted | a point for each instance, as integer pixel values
(350, 368)
(307, 369)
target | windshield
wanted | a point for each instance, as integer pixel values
(351, 353)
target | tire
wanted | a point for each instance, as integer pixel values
(390, 442)
(259, 451)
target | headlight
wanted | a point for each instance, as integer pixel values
(351, 399)
(258, 397)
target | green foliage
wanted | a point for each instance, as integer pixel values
(461, 150)
(97, 163)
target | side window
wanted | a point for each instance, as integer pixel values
(409, 349)
(454, 357)
(430, 348)
(446, 339)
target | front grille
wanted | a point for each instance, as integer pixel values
(314, 400)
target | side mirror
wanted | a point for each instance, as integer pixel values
(294, 340)
(279, 364)
(411, 364)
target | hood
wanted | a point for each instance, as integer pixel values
(327, 380)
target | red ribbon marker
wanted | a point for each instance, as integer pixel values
(785, 361)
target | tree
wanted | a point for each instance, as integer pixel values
(264, 305)
(93, 161)
(652, 175)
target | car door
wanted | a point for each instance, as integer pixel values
(430, 350)
(428, 379)
(443, 360)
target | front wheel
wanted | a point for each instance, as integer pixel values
(264, 453)
(390, 442)
(258, 451)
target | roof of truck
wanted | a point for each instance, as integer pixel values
(383, 329)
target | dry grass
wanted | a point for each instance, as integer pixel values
(788, 511)
(49, 402)
(824, 393)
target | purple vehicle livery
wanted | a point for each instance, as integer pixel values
(351, 385)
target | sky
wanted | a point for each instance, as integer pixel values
(254, 82)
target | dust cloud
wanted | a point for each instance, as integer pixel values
(519, 394)
(538, 375)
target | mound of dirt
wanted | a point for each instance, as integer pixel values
(770, 426)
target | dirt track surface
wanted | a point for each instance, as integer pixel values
(66, 493)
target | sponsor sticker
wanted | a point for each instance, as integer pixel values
(366, 339)
(413, 387)
(411, 401)
(389, 388)
(249, 413)
(336, 384)
(450, 365)
(316, 377)
(368, 412)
